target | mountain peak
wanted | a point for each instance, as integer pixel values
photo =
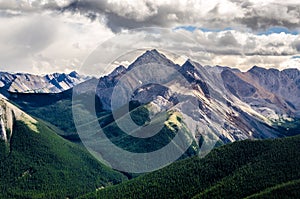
(152, 56)
(188, 65)
(256, 68)
(153, 52)
(189, 71)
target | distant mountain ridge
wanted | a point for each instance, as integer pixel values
(28, 83)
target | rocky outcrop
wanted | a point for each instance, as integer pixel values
(6, 119)
(3, 135)
(8, 115)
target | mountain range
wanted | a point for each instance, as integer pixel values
(259, 103)
(210, 105)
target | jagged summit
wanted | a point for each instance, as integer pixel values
(189, 70)
(188, 65)
(153, 53)
(257, 69)
(152, 56)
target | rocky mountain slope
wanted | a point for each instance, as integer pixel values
(273, 93)
(217, 101)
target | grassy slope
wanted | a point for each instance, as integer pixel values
(233, 171)
(55, 109)
(44, 165)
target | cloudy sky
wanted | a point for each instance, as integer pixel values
(43, 36)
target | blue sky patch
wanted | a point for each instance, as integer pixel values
(273, 30)
(278, 30)
(193, 28)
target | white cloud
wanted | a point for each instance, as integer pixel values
(43, 43)
(48, 36)
(219, 14)
(211, 14)
(243, 49)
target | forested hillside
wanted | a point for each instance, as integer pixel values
(43, 165)
(235, 170)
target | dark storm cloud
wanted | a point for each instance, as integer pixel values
(117, 20)
(254, 16)
(146, 13)
(275, 15)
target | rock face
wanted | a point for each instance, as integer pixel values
(271, 92)
(284, 85)
(27, 83)
(3, 135)
(8, 115)
(6, 120)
